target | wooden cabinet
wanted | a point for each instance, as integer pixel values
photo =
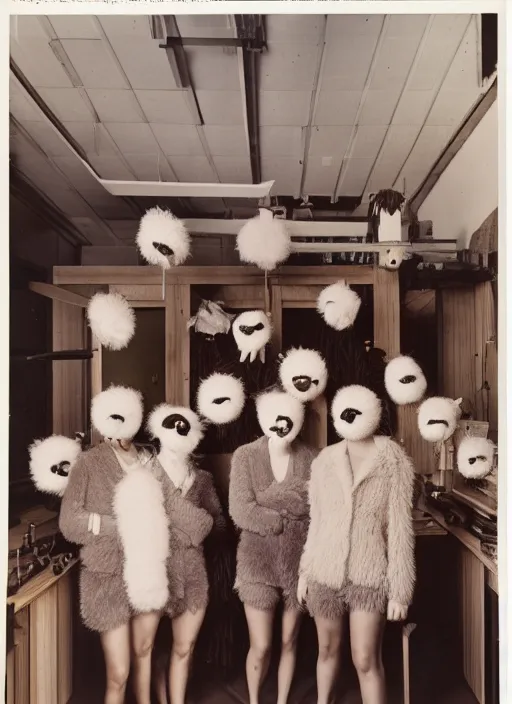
(39, 667)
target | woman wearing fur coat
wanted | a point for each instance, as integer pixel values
(193, 510)
(113, 507)
(359, 553)
(268, 503)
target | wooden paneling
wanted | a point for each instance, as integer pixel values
(472, 574)
(458, 377)
(386, 311)
(69, 403)
(43, 648)
(64, 639)
(245, 297)
(486, 358)
(315, 426)
(58, 294)
(10, 679)
(177, 344)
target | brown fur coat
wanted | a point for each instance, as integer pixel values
(361, 533)
(272, 516)
(191, 519)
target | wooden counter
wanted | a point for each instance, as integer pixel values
(40, 666)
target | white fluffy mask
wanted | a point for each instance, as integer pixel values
(392, 258)
(178, 428)
(404, 381)
(303, 374)
(221, 398)
(264, 241)
(252, 331)
(475, 457)
(112, 320)
(280, 416)
(163, 239)
(438, 418)
(51, 461)
(117, 412)
(356, 412)
(339, 305)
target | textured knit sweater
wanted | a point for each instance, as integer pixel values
(361, 532)
(272, 516)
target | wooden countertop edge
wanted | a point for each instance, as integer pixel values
(468, 540)
(33, 589)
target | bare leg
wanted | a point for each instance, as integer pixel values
(329, 644)
(290, 633)
(116, 648)
(185, 629)
(366, 632)
(258, 657)
(143, 631)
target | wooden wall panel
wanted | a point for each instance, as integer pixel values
(177, 344)
(277, 317)
(472, 575)
(458, 335)
(22, 657)
(486, 358)
(69, 377)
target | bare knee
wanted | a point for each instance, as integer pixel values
(117, 677)
(143, 647)
(183, 649)
(289, 643)
(365, 661)
(329, 649)
(260, 651)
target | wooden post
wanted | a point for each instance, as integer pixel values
(43, 648)
(277, 318)
(177, 344)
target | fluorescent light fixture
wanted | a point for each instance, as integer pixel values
(177, 189)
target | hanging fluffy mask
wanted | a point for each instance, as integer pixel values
(392, 258)
(475, 457)
(280, 415)
(177, 428)
(339, 305)
(162, 239)
(404, 380)
(356, 412)
(252, 331)
(116, 413)
(221, 398)
(51, 461)
(264, 241)
(303, 374)
(112, 320)
(438, 418)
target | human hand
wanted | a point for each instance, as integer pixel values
(396, 611)
(302, 590)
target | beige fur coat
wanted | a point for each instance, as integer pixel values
(361, 533)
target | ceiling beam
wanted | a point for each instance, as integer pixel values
(454, 146)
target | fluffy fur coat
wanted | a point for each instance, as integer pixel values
(272, 516)
(191, 519)
(361, 533)
(124, 561)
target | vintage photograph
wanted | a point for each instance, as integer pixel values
(253, 353)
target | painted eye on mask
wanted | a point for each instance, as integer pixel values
(433, 421)
(304, 383)
(481, 458)
(163, 249)
(409, 379)
(61, 469)
(350, 414)
(222, 399)
(283, 426)
(116, 416)
(250, 329)
(178, 423)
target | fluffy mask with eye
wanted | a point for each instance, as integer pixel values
(117, 413)
(280, 415)
(177, 428)
(303, 374)
(356, 412)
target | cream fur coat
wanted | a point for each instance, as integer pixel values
(361, 532)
